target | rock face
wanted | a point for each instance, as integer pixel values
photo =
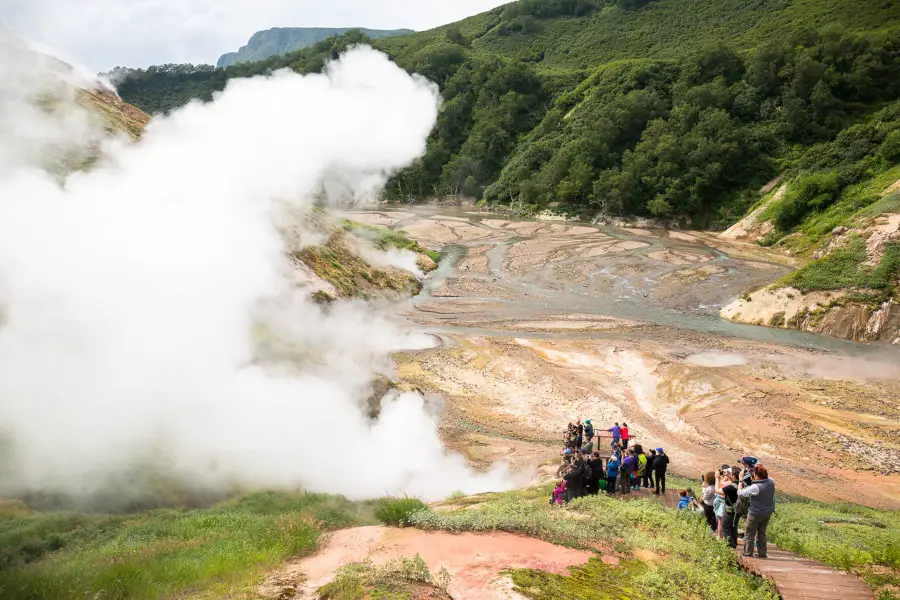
(828, 313)
(281, 40)
(751, 228)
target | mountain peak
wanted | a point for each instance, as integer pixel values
(281, 40)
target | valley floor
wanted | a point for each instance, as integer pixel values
(543, 323)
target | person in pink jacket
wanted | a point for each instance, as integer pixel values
(559, 492)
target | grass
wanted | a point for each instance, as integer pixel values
(396, 580)
(396, 511)
(682, 559)
(385, 238)
(843, 268)
(857, 203)
(350, 275)
(166, 552)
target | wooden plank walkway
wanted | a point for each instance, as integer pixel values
(794, 577)
(799, 578)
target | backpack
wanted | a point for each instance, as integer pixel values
(642, 464)
(588, 471)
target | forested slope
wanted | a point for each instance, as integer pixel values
(669, 107)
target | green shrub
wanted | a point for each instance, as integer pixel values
(810, 193)
(397, 511)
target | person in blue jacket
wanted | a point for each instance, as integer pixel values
(612, 473)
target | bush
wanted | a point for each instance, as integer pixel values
(397, 511)
(810, 193)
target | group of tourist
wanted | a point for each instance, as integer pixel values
(732, 494)
(626, 469)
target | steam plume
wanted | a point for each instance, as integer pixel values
(130, 294)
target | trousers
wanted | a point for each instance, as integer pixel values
(756, 535)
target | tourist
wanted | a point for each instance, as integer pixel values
(588, 447)
(684, 502)
(624, 433)
(612, 473)
(579, 434)
(660, 465)
(640, 466)
(719, 501)
(625, 472)
(616, 432)
(747, 463)
(648, 471)
(730, 493)
(708, 481)
(588, 431)
(596, 464)
(761, 493)
(575, 480)
(559, 492)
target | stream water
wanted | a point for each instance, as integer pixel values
(636, 283)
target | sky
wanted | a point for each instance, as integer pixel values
(101, 34)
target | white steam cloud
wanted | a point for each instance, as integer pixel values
(129, 297)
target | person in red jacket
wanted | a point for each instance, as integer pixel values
(624, 435)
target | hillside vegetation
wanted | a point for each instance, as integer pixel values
(671, 107)
(675, 109)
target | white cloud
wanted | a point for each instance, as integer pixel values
(104, 33)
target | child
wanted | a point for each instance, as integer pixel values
(683, 502)
(559, 492)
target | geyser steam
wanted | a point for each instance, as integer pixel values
(129, 293)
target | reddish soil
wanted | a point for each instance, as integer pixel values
(475, 561)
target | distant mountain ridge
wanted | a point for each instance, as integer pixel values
(281, 40)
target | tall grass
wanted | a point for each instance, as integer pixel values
(163, 553)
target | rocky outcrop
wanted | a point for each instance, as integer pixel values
(828, 313)
(751, 228)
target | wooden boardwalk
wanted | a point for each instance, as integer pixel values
(799, 578)
(794, 577)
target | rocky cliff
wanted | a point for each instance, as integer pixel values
(281, 40)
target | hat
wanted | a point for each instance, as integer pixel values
(660, 450)
(750, 461)
(587, 420)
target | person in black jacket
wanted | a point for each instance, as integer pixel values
(575, 481)
(647, 480)
(597, 473)
(660, 465)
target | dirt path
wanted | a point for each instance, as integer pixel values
(475, 561)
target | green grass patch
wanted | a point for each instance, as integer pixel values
(396, 511)
(351, 276)
(843, 268)
(396, 580)
(692, 563)
(166, 552)
(385, 238)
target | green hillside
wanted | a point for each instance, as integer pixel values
(670, 108)
(281, 40)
